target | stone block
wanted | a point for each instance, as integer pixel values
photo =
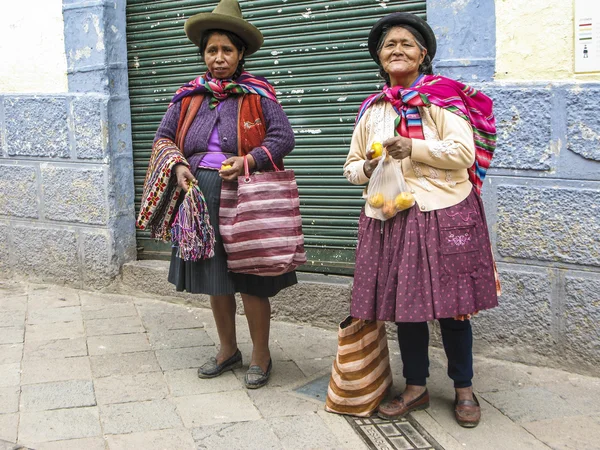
(124, 364)
(184, 358)
(18, 192)
(221, 407)
(59, 395)
(180, 439)
(73, 444)
(9, 425)
(99, 260)
(194, 337)
(10, 374)
(185, 382)
(85, 37)
(521, 146)
(275, 403)
(75, 195)
(140, 416)
(131, 388)
(11, 335)
(583, 122)
(9, 400)
(60, 424)
(55, 369)
(58, 261)
(51, 331)
(5, 265)
(549, 224)
(121, 190)
(11, 353)
(581, 319)
(525, 305)
(255, 435)
(90, 126)
(122, 343)
(62, 348)
(37, 126)
(54, 315)
(567, 433)
(115, 325)
(303, 432)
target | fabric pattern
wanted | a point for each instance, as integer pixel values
(462, 100)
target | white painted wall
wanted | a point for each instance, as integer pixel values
(32, 50)
(535, 41)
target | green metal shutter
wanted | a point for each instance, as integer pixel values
(316, 56)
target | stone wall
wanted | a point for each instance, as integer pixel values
(66, 172)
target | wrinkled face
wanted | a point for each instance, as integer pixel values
(221, 56)
(400, 56)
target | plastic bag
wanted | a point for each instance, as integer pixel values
(388, 192)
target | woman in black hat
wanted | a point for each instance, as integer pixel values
(212, 123)
(432, 261)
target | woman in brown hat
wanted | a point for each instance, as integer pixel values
(211, 124)
(431, 261)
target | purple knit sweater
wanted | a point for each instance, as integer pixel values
(279, 139)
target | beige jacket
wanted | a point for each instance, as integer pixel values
(436, 171)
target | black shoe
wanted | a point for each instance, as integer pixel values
(211, 369)
(255, 378)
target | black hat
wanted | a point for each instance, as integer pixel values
(400, 19)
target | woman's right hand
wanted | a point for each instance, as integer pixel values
(370, 163)
(184, 177)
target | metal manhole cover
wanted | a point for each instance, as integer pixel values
(378, 434)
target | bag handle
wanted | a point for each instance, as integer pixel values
(277, 169)
(247, 169)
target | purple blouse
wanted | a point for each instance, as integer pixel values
(212, 137)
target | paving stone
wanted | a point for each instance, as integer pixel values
(143, 416)
(56, 369)
(12, 287)
(303, 432)
(156, 317)
(11, 353)
(13, 303)
(10, 319)
(312, 367)
(255, 435)
(567, 433)
(343, 432)
(180, 439)
(221, 407)
(184, 358)
(530, 404)
(316, 343)
(58, 395)
(10, 374)
(194, 337)
(9, 399)
(91, 301)
(278, 403)
(9, 424)
(131, 388)
(43, 297)
(59, 424)
(123, 343)
(110, 311)
(12, 335)
(283, 374)
(74, 444)
(123, 364)
(54, 315)
(186, 382)
(50, 331)
(580, 392)
(114, 325)
(61, 348)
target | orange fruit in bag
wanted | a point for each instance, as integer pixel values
(404, 200)
(389, 209)
(377, 149)
(376, 200)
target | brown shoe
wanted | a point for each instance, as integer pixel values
(467, 412)
(396, 408)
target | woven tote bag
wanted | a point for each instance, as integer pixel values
(361, 374)
(260, 222)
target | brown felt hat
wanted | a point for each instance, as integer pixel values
(226, 16)
(402, 19)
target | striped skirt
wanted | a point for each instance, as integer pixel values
(210, 276)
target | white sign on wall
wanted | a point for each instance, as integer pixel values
(587, 36)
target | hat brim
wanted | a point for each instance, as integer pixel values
(198, 24)
(399, 19)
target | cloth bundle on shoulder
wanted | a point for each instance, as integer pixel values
(361, 373)
(260, 222)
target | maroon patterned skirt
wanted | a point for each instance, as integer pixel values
(420, 266)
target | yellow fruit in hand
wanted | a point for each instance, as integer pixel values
(377, 149)
(404, 200)
(389, 210)
(226, 167)
(376, 200)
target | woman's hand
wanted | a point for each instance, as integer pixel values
(370, 163)
(398, 147)
(184, 177)
(237, 167)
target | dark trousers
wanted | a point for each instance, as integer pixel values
(457, 337)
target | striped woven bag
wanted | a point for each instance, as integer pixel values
(260, 222)
(361, 372)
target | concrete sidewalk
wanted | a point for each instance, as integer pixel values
(86, 370)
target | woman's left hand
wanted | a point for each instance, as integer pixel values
(398, 147)
(237, 167)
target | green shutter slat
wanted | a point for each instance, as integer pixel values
(316, 57)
